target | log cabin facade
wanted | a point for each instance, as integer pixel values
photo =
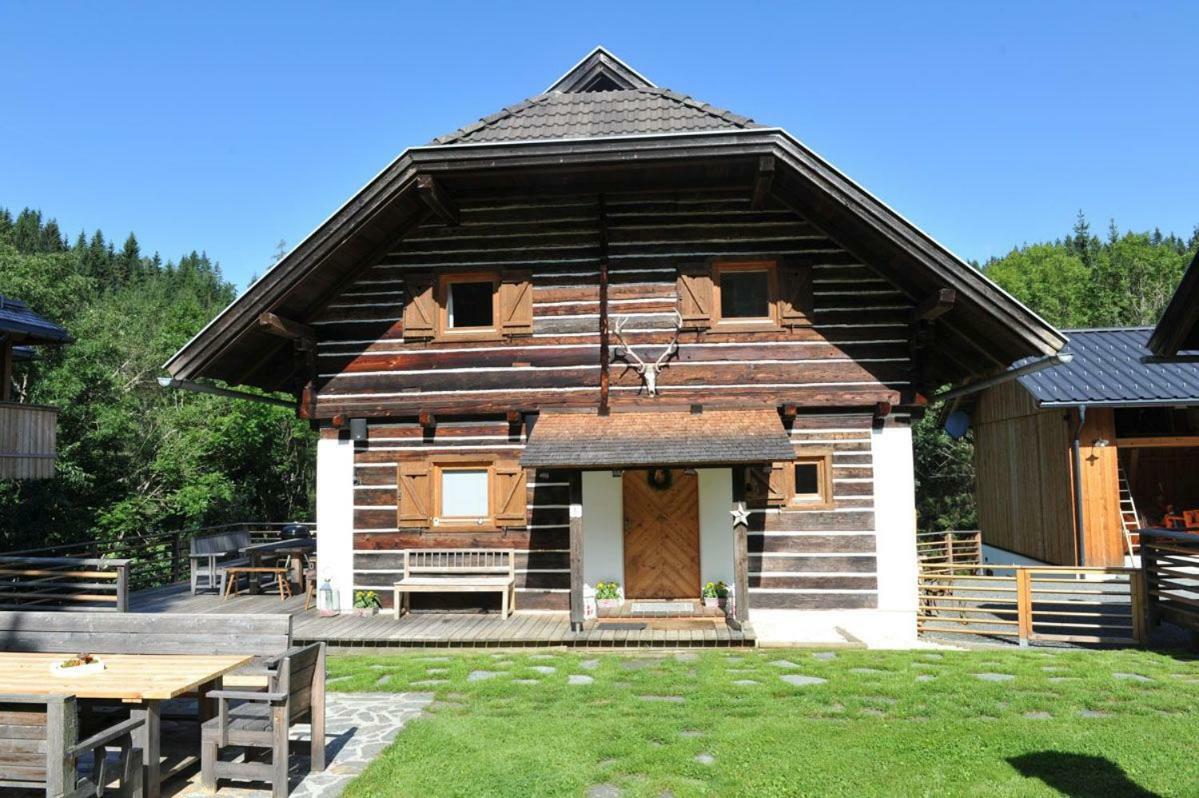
(631, 336)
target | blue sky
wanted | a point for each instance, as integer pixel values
(229, 126)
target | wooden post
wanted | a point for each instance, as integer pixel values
(123, 587)
(5, 371)
(1024, 603)
(740, 549)
(576, 551)
(62, 731)
(1139, 596)
(1148, 571)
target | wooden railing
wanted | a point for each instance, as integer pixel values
(156, 558)
(949, 547)
(1170, 561)
(1032, 603)
(28, 441)
(64, 583)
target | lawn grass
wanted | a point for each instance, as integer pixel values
(656, 724)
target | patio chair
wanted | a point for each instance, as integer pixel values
(250, 719)
(212, 555)
(40, 749)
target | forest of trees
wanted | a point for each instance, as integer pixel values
(133, 457)
(1081, 280)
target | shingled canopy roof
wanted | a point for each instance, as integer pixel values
(603, 127)
(657, 438)
(1178, 329)
(18, 323)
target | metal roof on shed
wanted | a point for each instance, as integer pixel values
(1113, 367)
(24, 325)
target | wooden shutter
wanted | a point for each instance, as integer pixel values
(508, 493)
(768, 484)
(420, 314)
(695, 296)
(516, 303)
(416, 494)
(796, 300)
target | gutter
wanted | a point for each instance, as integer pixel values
(198, 387)
(1060, 358)
(1076, 462)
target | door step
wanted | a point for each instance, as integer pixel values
(662, 608)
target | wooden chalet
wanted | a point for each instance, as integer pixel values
(28, 433)
(631, 337)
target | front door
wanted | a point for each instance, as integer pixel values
(661, 534)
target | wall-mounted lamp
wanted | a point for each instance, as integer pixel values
(1101, 442)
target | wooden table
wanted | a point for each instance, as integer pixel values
(143, 679)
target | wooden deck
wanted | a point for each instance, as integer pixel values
(449, 630)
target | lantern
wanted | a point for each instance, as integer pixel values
(327, 600)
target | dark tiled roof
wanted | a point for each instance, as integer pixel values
(1113, 367)
(657, 438)
(595, 114)
(16, 318)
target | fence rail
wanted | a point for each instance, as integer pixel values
(154, 559)
(1171, 565)
(959, 595)
(64, 583)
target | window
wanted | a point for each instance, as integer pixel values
(470, 305)
(744, 294)
(465, 494)
(751, 296)
(810, 480)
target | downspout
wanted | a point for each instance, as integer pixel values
(1076, 452)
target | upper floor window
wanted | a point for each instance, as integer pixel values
(469, 302)
(464, 306)
(746, 293)
(745, 296)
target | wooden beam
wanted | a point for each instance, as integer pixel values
(762, 182)
(935, 305)
(427, 420)
(438, 201)
(790, 411)
(576, 551)
(302, 334)
(515, 418)
(5, 371)
(1163, 442)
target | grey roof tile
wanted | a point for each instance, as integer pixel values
(1113, 366)
(595, 114)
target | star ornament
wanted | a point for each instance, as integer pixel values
(740, 514)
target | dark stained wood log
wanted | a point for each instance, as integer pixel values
(576, 550)
(439, 202)
(338, 422)
(935, 305)
(306, 408)
(303, 335)
(765, 600)
(810, 544)
(881, 411)
(790, 410)
(762, 182)
(427, 420)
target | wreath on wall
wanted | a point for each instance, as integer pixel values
(659, 478)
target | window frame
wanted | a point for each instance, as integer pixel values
(447, 333)
(823, 498)
(462, 523)
(770, 321)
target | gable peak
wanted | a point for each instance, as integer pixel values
(599, 70)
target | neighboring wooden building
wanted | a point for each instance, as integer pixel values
(1135, 419)
(586, 327)
(28, 433)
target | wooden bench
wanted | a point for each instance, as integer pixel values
(40, 748)
(235, 572)
(212, 555)
(458, 571)
(261, 720)
(79, 584)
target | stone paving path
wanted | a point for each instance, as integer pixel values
(358, 728)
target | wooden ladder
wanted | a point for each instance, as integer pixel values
(1129, 520)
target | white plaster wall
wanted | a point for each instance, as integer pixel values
(895, 523)
(716, 525)
(603, 528)
(335, 516)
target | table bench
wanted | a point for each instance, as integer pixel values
(457, 571)
(280, 572)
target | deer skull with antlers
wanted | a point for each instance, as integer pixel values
(649, 372)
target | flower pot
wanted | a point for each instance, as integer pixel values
(607, 605)
(711, 601)
(366, 612)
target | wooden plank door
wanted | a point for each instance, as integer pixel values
(661, 536)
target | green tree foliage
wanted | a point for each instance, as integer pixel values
(1078, 281)
(133, 457)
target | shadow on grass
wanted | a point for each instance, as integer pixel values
(1079, 775)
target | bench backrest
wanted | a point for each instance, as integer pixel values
(145, 633)
(225, 542)
(37, 734)
(451, 562)
(301, 674)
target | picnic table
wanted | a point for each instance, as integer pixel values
(296, 547)
(144, 680)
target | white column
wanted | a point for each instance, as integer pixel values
(335, 516)
(716, 525)
(895, 522)
(603, 528)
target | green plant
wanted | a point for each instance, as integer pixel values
(715, 590)
(607, 590)
(366, 599)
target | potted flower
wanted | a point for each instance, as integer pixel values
(366, 602)
(714, 594)
(607, 595)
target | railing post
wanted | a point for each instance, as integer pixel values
(1140, 606)
(176, 555)
(1024, 604)
(123, 587)
(1148, 576)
